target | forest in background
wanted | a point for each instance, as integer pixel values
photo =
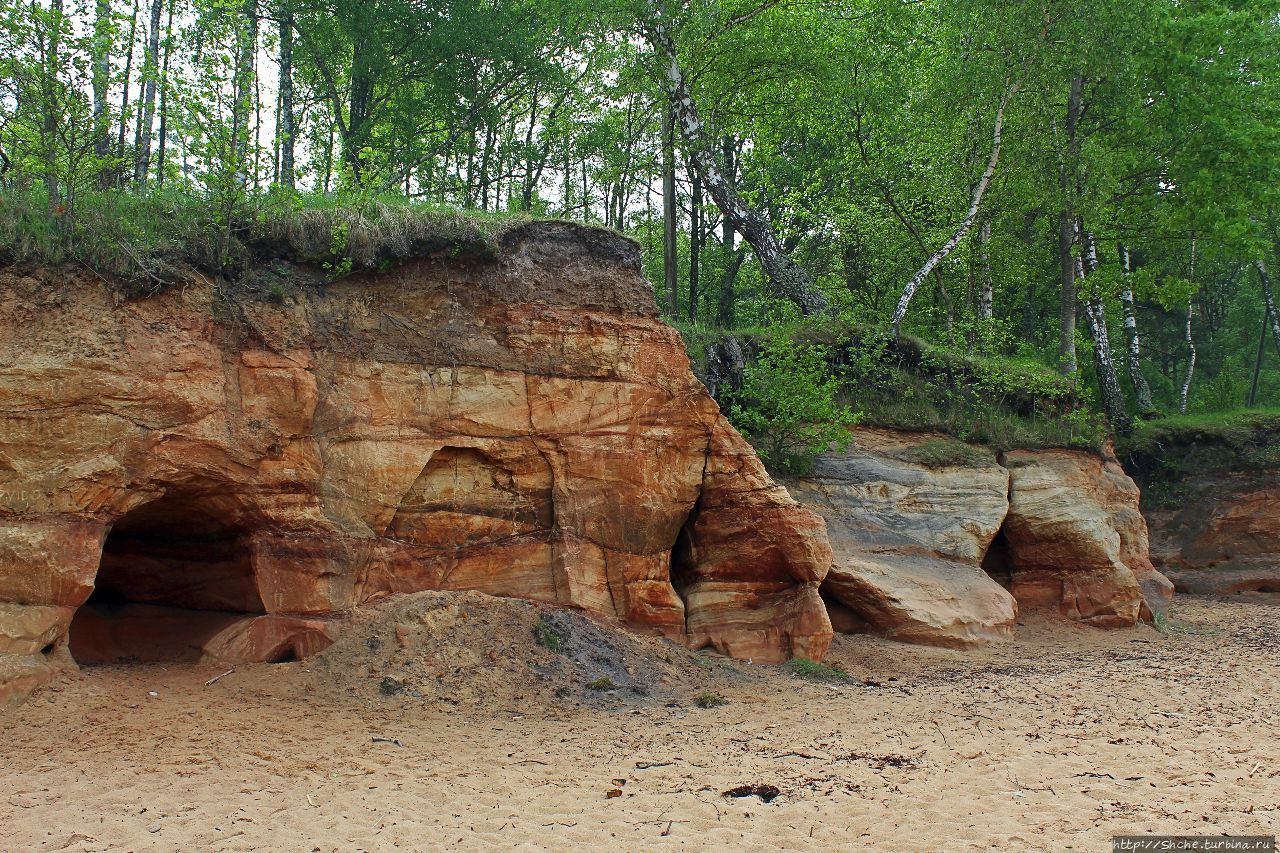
(991, 217)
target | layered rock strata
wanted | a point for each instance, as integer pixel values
(937, 542)
(523, 426)
(1221, 534)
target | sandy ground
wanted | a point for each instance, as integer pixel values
(1055, 741)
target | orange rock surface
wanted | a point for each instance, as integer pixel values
(1223, 534)
(523, 426)
(1077, 540)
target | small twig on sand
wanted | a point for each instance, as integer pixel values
(394, 740)
(219, 677)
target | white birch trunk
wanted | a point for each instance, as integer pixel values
(150, 74)
(1191, 344)
(1113, 401)
(786, 277)
(1108, 380)
(986, 295)
(1141, 390)
(975, 205)
(1268, 297)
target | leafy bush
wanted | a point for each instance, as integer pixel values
(815, 671)
(602, 684)
(789, 405)
(550, 637)
(709, 699)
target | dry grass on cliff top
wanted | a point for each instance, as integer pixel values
(147, 242)
(1055, 741)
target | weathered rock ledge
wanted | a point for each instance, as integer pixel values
(227, 477)
(1211, 495)
(1221, 535)
(940, 543)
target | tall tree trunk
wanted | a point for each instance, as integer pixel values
(163, 144)
(150, 73)
(725, 309)
(528, 181)
(695, 243)
(1257, 362)
(101, 82)
(1191, 344)
(1268, 299)
(1133, 349)
(287, 130)
(1191, 362)
(785, 276)
(986, 291)
(328, 160)
(1112, 394)
(128, 73)
(732, 259)
(1113, 402)
(52, 109)
(247, 29)
(670, 257)
(1067, 232)
(975, 205)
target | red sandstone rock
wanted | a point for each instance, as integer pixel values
(1224, 535)
(525, 427)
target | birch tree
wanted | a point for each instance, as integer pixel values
(785, 275)
(975, 206)
(1133, 348)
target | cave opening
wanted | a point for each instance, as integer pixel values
(174, 573)
(997, 562)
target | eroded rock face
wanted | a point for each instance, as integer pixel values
(938, 543)
(909, 539)
(1077, 540)
(1223, 535)
(524, 427)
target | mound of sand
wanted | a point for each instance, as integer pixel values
(472, 649)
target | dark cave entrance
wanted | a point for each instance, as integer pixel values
(998, 561)
(174, 573)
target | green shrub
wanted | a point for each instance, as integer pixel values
(815, 671)
(550, 637)
(602, 684)
(709, 699)
(789, 405)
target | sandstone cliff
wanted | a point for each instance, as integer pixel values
(223, 476)
(1212, 500)
(1221, 535)
(937, 542)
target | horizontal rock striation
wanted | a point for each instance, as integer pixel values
(522, 426)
